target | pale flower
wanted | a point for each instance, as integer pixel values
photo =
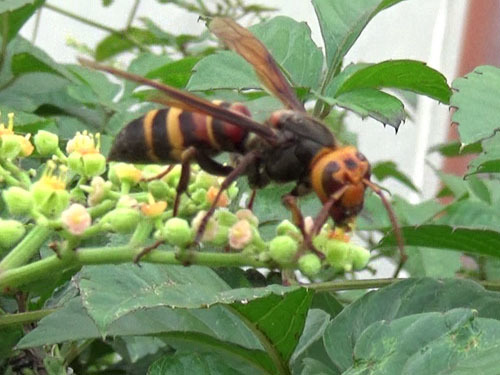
(76, 219)
(240, 234)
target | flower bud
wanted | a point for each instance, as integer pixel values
(158, 188)
(76, 219)
(18, 200)
(359, 257)
(122, 172)
(246, 214)
(172, 178)
(177, 232)
(121, 220)
(75, 162)
(49, 192)
(223, 200)
(26, 146)
(205, 181)
(309, 264)
(286, 228)
(283, 249)
(10, 146)
(240, 234)
(221, 237)
(46, 143)
(99, 190)
(12, 231)
(225, 218)
(93, 164)
(153, 209)
(199, 196)
(337, 253)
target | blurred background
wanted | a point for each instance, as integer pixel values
(439, 32)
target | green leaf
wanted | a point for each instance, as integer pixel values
(315, 367)
(455, 148)
(469, 240)
(412, 296)
(288, 41)
(310, 345)
(373, 103)
(11, 5)
(422, 263)
(489, 160)
(110, 292)
(175, 73)
(386, 169)
(473, 214)
(456, 342)
(142, 65)
(115, 44)
(26, 58)
(242, 359)
(224, 70)
(15, 13)
(408, 75)
(342, 22)
(192, 363)
(477, 101)
(281, 318)
(95, 87)
(72, 322)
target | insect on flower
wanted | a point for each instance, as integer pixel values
(292, 146)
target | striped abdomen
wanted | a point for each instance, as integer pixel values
(162, 135)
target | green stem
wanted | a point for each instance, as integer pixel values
(132, 14)
(102, 208)
(37, 25)
(115, 255)
(7, 177)
(24, 318)
(96, 25)
(26, 249)
(141, 233)
(5, 32)
(18, 173)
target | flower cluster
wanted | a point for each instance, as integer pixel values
(74, 196)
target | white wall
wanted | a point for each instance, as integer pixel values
(427, 30)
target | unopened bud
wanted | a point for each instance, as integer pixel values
(177, 232)
(283, 249)
(46, 143)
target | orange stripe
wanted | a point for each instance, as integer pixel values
(174, 132)
(148, 134)
(317, 169)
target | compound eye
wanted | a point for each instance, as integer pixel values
(351, 164)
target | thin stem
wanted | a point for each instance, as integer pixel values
(81, 19)
(96, 25)
(18, 173)
(24, 318)
(26, 249)
(5, 32)
(115, 255)
(132, 13)
(36, 26)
